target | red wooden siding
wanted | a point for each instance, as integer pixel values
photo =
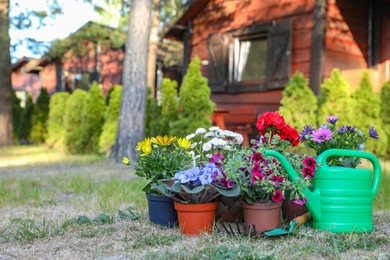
(48, 77)
(220, 16)
(111, 68)
(346, 45)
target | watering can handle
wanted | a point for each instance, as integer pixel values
(360, 154)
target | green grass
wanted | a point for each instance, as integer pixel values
(107, 219)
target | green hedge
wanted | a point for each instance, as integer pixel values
(195, 107)
(298, 104)
(17, 111)
(92, 119)
(25, 123)
(56, 119)
(385, 111)
(168, 104)
(39, 117)
(152, 116)
(107, 137)
(73, 124)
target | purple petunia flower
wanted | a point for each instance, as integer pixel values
(321, 135)
(308, 172)
(373, 133)
(306, 132)
(309, 162)
(299, 202)
(332, 119)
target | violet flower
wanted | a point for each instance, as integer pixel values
(373, 133)
(332, 119)
(306, 132)
(321, 135)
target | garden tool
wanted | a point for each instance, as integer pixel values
(341, 199)
(294, 223)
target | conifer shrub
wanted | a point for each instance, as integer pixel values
(25, 123)
(56, 119)
(335, 99)
(39, 117)
(73, 124)
(168, 104)
(298, 104)
(194, 107)
(385, 111)
(367, 107)
(153, 116)
(107, 137)
(16, 114)
(93, 118)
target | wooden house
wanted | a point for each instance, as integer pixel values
(250, 48)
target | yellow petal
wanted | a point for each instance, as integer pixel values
(163, 140)
(125, 160)
(184, 143)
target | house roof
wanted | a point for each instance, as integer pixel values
(28, 65)
(176, 30)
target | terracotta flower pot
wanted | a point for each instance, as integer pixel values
(264, 216)
(291, 210)
(195, 219)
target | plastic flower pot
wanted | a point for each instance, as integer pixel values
(195, 219)
(161, 210)
(264, 216)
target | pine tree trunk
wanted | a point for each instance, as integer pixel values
(153, 45)
(5, 78)
(132, 111)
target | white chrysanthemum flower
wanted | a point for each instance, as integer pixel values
(214, 141)
(214, 128)
(209, 134)
(194, 144)
(200, 131)
(227, 147)
(238, 139)
(209, 155)
(221, 142)
(206, 147)
(192, 154)
(190, 136)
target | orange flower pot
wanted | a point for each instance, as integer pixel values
(195, 219)
(264, 216)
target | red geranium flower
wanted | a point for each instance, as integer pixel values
(269, 120)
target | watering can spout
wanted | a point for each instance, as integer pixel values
(312, 197)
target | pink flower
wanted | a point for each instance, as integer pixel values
(257, 176)
(278, 196)
(299, 202)
(257, 157)
(256, 168)
(308, 172)
(277, 180)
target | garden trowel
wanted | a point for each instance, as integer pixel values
(297, 221)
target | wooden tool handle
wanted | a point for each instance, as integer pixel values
(303, 218)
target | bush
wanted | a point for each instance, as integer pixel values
(195, 107)
(367, 108)
(298, 104)
(73, 126)
(25, 124)
(107, 137)
(334, 99)
(168, 104)
(385, 111)
(17, 111)
(39, 117)
(56, 119)
(92, 119)
(153, 116)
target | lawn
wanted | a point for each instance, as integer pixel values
(77, 207)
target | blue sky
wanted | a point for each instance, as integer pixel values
(75, 15)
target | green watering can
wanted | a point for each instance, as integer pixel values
(341, 200)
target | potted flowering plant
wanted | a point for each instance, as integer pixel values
(329, 136)
(196, 188)
(160, 158)
(263, 181)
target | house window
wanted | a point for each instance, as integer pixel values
(80, 81)
(249, 62)
(254, 58)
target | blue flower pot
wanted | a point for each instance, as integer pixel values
(162, 210)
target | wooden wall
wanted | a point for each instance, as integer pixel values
(111, 68)
(48, 77)
(346, 45)
(224, 15)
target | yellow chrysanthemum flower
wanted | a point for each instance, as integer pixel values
(163, 140)
(125, 160)
(184, 143)
(145, 146)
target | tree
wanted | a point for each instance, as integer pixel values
(367, 107)
(298, 104)
(195, 107)
(133, 102)
(168, 104)
(385, 111)
(5, 78)
(335, 99)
